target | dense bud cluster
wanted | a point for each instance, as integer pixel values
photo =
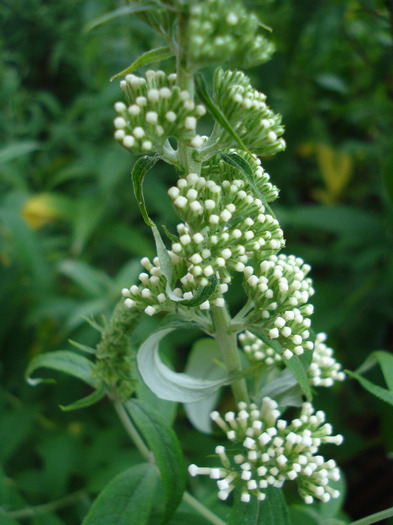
(271, 451)
(157, 109)
(151, 295)
(245, 109)
(223, 226)
(324, 370)
(223, 32)
(280, 291)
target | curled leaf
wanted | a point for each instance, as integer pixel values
(166, 383)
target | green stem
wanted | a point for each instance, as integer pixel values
(374, 518)
(30, 512)
(185, 81)
(204, 511)
(148, 455)
(132, 432)
(227, 342)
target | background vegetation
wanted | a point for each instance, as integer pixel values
(71, 236)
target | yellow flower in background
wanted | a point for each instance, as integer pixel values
(45, 208)
(335, 167)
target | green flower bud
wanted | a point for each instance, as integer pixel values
(223, 32)
(245, 109)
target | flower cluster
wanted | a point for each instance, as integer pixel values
(271, 451)
(222, 31)
(157, 109)
(324, 370)
(151, 295)
(245, 109)
(224, 225)
(280, 290)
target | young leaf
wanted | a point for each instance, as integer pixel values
(295, 364)
(202, 362)
(142, 166)
(155, 55)
(122, 11)
(381, 393)
(163, 442)
(272, 511)
(128, 498)
(64, 361)
(385, 361)
(80, 346)
(170, 385)
(215, 111)
(87, 401)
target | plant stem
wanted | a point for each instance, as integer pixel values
(30, 512)
(185, 81)
(132, 432)
(148, 455)
(374, 518)
(227, 342)
(204, 511)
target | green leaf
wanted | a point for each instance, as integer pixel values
(274, 508)
(87, 401)
(141, 167)
(381, 393)
(284, 389)
(17, 149)
(165, 446)
(170, 235)
(202, 362)
(215, 111)
(122, 11)
(166, 383)
(92, 281)
(385, 361)
(7, 520)
(80, 346)
(64, 361)
(128, 498)
(272, 511)
(295, 363)
(155, 55)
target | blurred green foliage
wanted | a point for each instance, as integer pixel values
(71, 235)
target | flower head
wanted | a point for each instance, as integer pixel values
(224, 32)
(224, 225)
(324, 370)
(269, 451)
(280, 290)
(157, 109)
(245, 109)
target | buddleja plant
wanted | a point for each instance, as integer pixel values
(267, 352)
